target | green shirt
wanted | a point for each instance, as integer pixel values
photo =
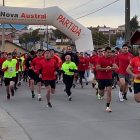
(66, 66)
(11, 71)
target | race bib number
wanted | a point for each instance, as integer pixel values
(11, 69)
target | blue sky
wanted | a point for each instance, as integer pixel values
(112, 16)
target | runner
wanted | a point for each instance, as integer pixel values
(9, 69)
(48, 71)
(35, 67)
(20, 60)
(81, 68)
(122, 60)
(74, 58)
(31, 73)
(2, 59)
(87, 68)
(94, 61)
(134, 70)
(68, 70)
(104, 67)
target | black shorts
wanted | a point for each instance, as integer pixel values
(1, 73)
(8, 80)
(81, 74)
(102, 84)
(50, 83)
(32, 75)
(136, 88)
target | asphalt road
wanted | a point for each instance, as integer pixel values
(84, 118)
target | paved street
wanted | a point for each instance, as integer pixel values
(24, 118)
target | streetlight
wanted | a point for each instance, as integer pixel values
(3, 34)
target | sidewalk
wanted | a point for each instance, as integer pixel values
(10, 129)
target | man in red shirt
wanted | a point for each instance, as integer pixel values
(93, 62)
(81, 68)
(123, 60)
(48, 71)
(87, 68)
(2, 59)
(134, 70)
(104, 68)
(56, 57)
(35, 67)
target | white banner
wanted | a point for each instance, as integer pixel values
(49, 16)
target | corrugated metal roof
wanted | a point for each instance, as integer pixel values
(15, 26)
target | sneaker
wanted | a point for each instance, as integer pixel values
(70, 99)
(39, 97)
(130, 89)
(12, 92)
(108, 110)
(93, 85)
(124, 97)
(99, 97)
(8, 96)
(49, 105)
(19, 84)
(33, 95)
(121, 96)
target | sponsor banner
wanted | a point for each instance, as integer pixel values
(49, 16)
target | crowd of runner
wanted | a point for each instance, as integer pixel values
(111, 68)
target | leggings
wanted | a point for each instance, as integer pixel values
(68, 81)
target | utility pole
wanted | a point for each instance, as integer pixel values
(127, 20)
(109, 40)
(46, 31)
(47, 37)
(3, 33)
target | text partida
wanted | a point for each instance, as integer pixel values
(69, 25)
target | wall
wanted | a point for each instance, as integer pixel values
(9, 47)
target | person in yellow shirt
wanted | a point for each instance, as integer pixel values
(68, 69)
(9, 69)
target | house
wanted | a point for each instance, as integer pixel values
(107, 30)
(10, 31)
(10, 47)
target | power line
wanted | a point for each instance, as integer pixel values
(81, 5)
(97, 9)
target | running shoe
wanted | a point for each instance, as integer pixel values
(99, 97)
(121, 96)
(49, 105)
(124, 97)
(39, 97)
(33, 95)
(70, 99)
(93, 85)
(8, 96)
(130, 89)
(108, 110)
